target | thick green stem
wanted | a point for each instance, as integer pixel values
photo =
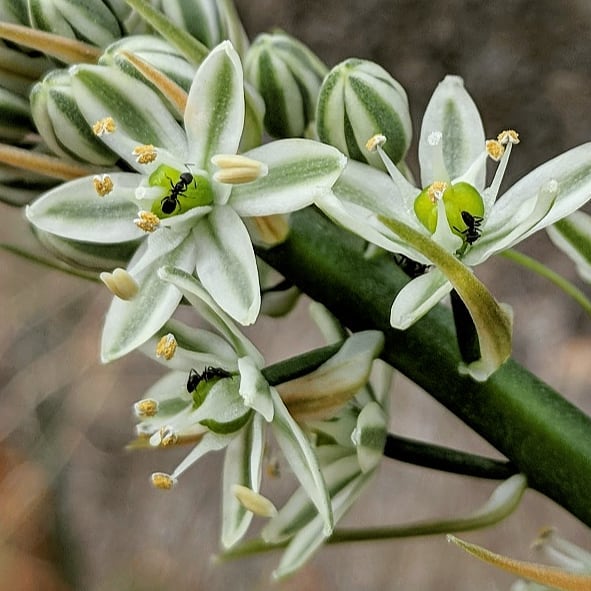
(544, 436)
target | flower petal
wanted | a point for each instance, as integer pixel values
(75, 211)
(299, 454)
(299, 170)
(214, 116)
(242, 465)
(451, 112)
(226, 264)
(210, 311)
(254, 389)
(130, 323)
(140, 116)
(417, 297)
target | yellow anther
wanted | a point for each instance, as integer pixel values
(375, 142)
(145, 154)
(168, 436)
(236, 169)
(495, 149)
(147, 221)
(162, 481)
(436, 190)
(120, 283)
(508, 136)
(104, 126)
(146, 408)
(166, 347)
(253, 501)
(103, 184)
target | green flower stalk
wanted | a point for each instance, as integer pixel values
(188, 195)
(288, 77)
(357, 100)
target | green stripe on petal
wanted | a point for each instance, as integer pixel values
(214, 116)
(370, 436)
(75, 211)
(451, 112)
(226, 264)
(243, 466)
(140, 115)
(131, 323)
(572, 235)
(299, 454)
(299, 171)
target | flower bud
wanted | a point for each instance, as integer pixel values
(357, 101)
(19, 187)
(62, 125)
(288, 76)
(92, 21)
(209, 21)
(156, 52)
(15, 118)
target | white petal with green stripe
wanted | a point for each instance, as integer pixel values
(243, 466)
(572, 235)
(299, 454)
(131, 323)
(254, 389)
(209, 310)
(214, 116)
(75, 211)
(210, 442)
(369, 436)
(140, 116)
(226, 264)
(451, 112)
(299, 171)
(310, 537)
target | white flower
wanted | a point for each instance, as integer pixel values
(188, 195)
(455, 207)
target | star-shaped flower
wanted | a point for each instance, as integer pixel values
(188, 195)
(454, 206)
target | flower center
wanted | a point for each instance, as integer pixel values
(182, 191)
(464, 208)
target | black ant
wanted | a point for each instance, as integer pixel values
(472, 232)
(410, 267)
(171, 201)
(208, 373)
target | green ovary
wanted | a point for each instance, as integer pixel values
(456, 198)
(197, 193)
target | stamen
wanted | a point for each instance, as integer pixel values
(145, 154)
(147, 221)
(508, 136)
(162, 481)
(104, 126)
(375, 141)
(436, 190)
(103, 184)
(120, 283)
(495, 149)
(146, 408)
(253, 501)
(236, 169)
(168, 436)
(166, 347)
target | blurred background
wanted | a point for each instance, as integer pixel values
(77, 511)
